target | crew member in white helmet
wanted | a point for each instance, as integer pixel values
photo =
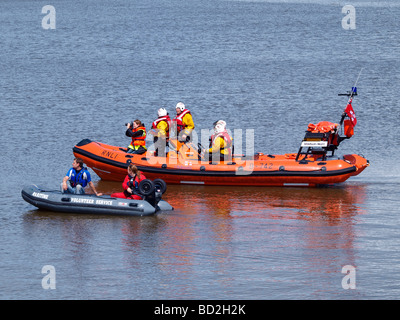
(220, 143)
(160, 130)
(184, 122)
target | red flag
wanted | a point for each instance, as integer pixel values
(350, 112)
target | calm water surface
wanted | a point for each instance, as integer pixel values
(263, 65)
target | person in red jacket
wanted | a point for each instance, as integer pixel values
(131, 184)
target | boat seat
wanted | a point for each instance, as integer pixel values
(315, 135)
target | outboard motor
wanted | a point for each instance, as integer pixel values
(152, 191)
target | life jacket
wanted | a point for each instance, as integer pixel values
(327, 128)
(80, 177)
(322, 127)
(133, 183)
(228, 141)
(139, 141)
(179, 120)
(167, 119)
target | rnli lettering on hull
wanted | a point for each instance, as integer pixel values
(109, 154)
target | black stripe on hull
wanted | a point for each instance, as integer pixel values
(207, 173)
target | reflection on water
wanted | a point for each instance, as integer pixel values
(331, 203)
(219, 240)
(324, 216)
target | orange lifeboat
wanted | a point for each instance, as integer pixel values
(314, 164)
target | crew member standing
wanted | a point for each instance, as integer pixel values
(160, 130)
(184, 122)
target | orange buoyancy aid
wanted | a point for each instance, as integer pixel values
(167, 119)
(228, 142)
(179, 120)
(323, 126)
(141, 140)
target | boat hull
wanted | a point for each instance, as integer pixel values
(184, 167)
(88, 203)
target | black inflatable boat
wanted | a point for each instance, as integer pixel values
(54, 200)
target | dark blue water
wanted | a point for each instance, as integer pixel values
(271, 66)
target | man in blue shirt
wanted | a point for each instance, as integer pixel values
(77, 178)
